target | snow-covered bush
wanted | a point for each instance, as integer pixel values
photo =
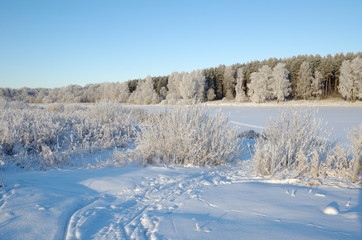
(187, 135)
(50, 137)
(292, 141)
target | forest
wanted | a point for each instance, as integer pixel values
(311, 77)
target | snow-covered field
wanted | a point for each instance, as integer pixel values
(159, 202)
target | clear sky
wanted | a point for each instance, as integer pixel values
(57, 43)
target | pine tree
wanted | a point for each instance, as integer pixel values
(316, 86)
(211, 94)
(229, 83)
(304, 81)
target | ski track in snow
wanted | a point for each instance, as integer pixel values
(161, 203)
(137, 216)
(131, 218)
(246, 125)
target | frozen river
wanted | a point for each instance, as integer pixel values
(338, 118)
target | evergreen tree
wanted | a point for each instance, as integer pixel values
(229, 83)
(211, 94)
(304, 81)
(316, 86)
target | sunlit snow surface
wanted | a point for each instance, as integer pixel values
(160, 202)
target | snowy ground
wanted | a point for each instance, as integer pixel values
(159, 202)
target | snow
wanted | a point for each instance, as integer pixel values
(158, 202)
(173, 202)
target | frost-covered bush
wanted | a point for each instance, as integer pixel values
(291, 141)
(345, 163)
(188, 135)
(3, 103)
(293, 144)
(50, 137)
(348, 164)
(56, 107)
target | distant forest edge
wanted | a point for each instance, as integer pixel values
(299, 77)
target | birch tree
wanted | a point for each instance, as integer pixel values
(281, 84)
(144, 93)
(239, 88)
(186, 86)
(350, 80)
(260, 87)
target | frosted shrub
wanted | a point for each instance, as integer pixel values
(293, 141)
(341, 163)
(187, 135)
(3, 103)
(55, 107)
(355, 136)
(51, 137)
(346, 163)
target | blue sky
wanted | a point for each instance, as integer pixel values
(58, 43)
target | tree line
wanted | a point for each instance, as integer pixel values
(298, 77)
